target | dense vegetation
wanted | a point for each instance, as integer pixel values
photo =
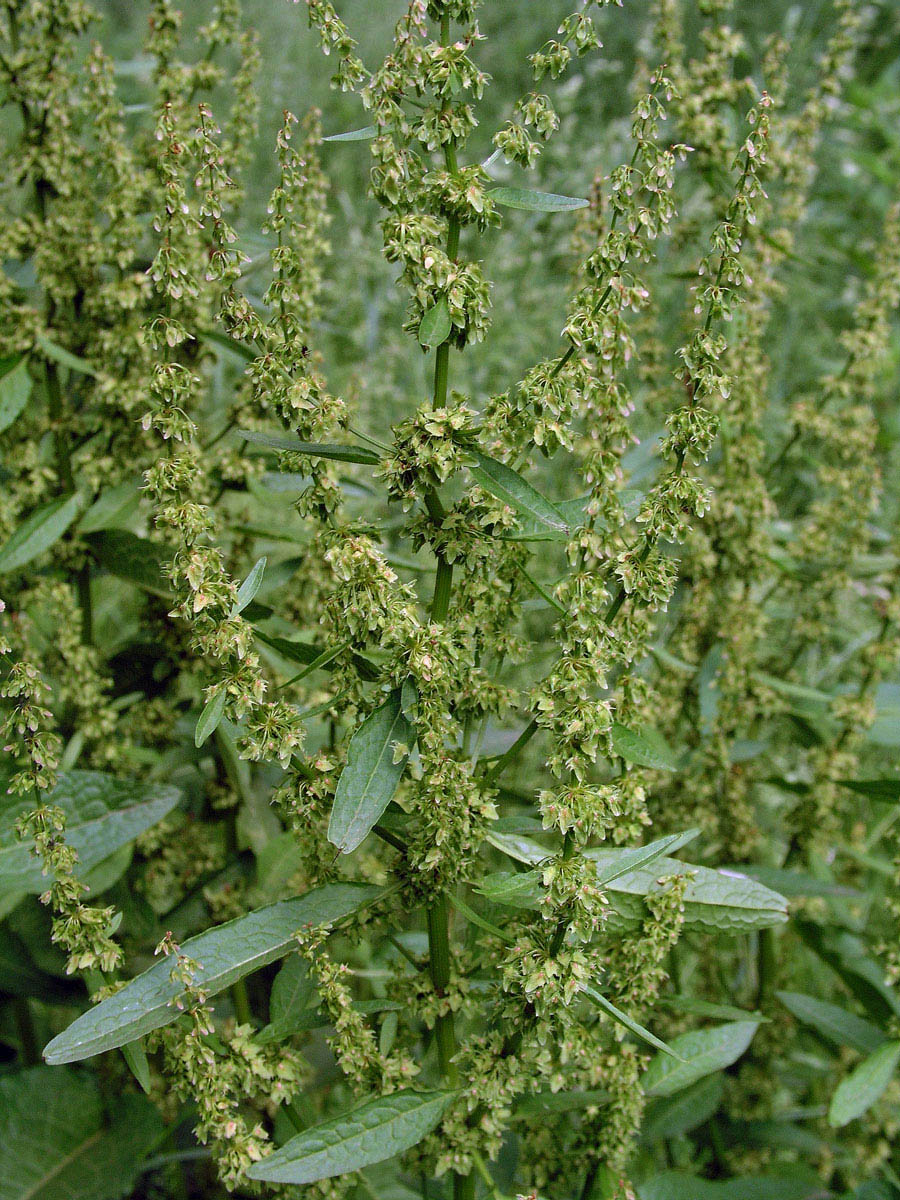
(450, 619)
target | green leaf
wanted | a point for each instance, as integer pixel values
(512, 197)
(369, 1134)
(436, 326)
(111, 507)
(353, 454)
(289, 1002)
(307, 654)
(793, 883)
(40, 531)
(210, 717)
(224, 954)
(65, 358)
(475, 918)
(875, 789)
(839, 1026)
(136, 1057)
(102, 814)
(19, 976)
(510, 488)
(646, 748)
(516, 890)
(703, 1051)
(56, 1142)
(559, 1102)
(370, 777)
(621, 862)
(724, 900)
(365, 134)
(623, 1019)
(292, 989)
(679, 1114)
(15, 388)
(134, 559)
(864, 1085)
(250, 586)
(706, 1008)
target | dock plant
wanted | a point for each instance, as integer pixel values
(438, 769)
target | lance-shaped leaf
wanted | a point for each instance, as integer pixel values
(864, 1085)
(210, 718)
(875, 789)
(515, 890)
(621, 862)
(102, 814)
(644, 748)
(365, 134)
(289, 1001)
(370, 777)
(134, 559)
(15, 388)
(436, 326)
(369, 1134)
(224, 955)
(57, 1141)
(513, 197)
(250, 586)
(559, 1102)
(115, 505)
(274, 441)
(623, 1019)
(65, 357)
(40, 531)
(675, 1115)
(717, 899)
(304, 652)
(833, 1022)
(508, 486)
(701, 1052)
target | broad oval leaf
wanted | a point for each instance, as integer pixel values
(864, 1085)
(645, 748)
(369, 1134)
(275, 441)
(513, 197)
(370, 777)
(250, 586)
(224, 954)
(102, 814)
(210, 718)
(57, 1141)
(510, 488)
(40, 531)
(436, 326)
(15, 388)
(839, 1026)
(703, 1051)
(364, 134)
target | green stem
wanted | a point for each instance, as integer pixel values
(437, 914)
(241, 1001)
(437, 917)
